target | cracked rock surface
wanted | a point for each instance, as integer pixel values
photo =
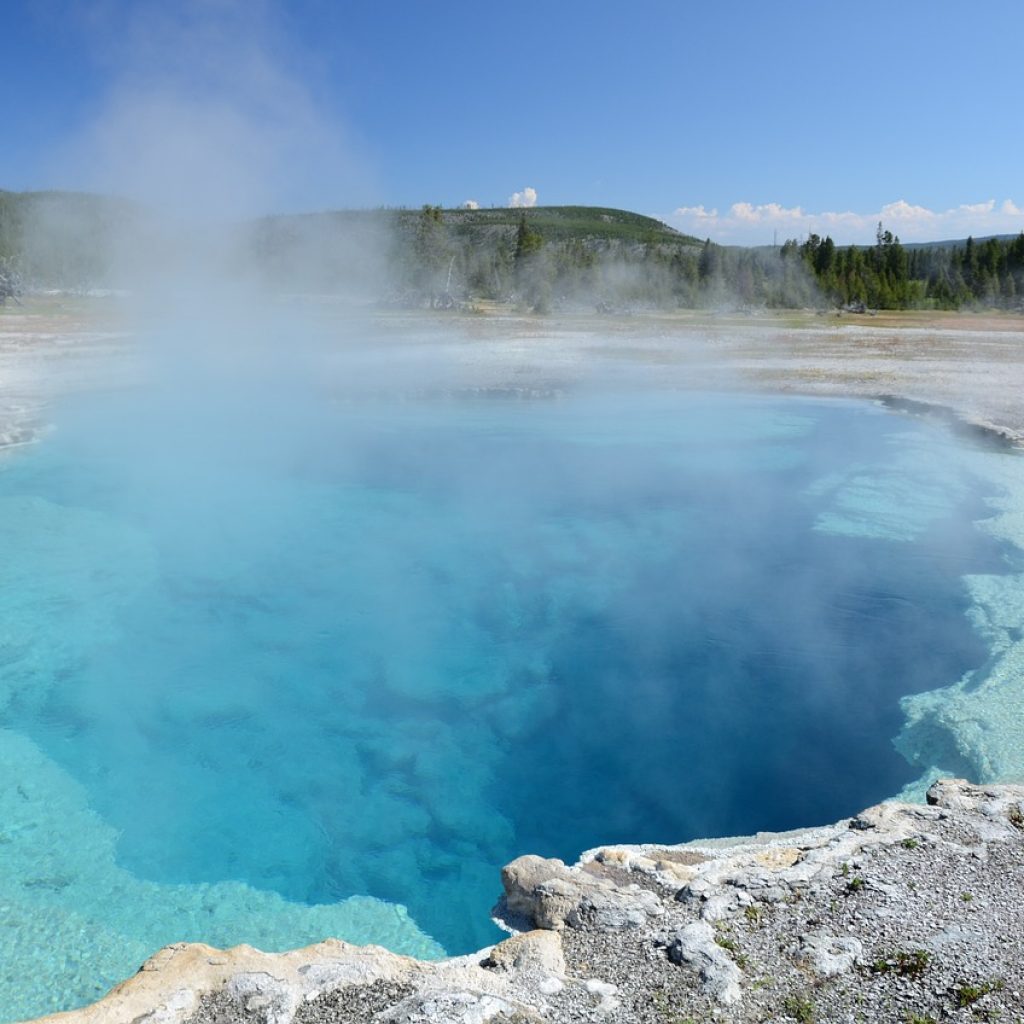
(906, 913)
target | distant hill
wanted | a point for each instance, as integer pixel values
(945, 244)
(531, 256)
(555, 222)
(558, 223)
(597, 228)
(567, 257)
(959, 243)
(64, 239)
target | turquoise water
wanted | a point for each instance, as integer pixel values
(273, 692)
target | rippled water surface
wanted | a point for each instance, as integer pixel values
(332, 691)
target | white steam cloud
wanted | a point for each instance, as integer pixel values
(207, 116)
(471, 204)
(526, 198)
(208, 125)
(750, 224)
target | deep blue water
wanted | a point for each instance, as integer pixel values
(449, 632)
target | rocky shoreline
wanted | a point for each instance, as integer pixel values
(904, 913)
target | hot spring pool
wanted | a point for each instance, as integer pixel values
(330, 691)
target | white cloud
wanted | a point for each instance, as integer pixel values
(903, 211)
(697, 212)
(752, 224)
(768, 213)
(526, 198)
(471, 204)
(980, 207)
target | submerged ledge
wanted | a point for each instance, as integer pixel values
(972, 429)
(905, 907)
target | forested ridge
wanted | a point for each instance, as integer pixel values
(561, 255)
(889, 275)
(539, 258)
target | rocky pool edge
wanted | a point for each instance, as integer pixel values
(904, 912)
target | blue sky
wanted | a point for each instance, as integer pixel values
(731, 120)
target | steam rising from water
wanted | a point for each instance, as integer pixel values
(209, 118)
(207, 126)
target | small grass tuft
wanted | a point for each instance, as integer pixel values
(800, 1008)
(967, 994)
(753, 914)
(905, 963)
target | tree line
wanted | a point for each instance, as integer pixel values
(889, 275)
(524, 266)
(527, 264)
(538, 259)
